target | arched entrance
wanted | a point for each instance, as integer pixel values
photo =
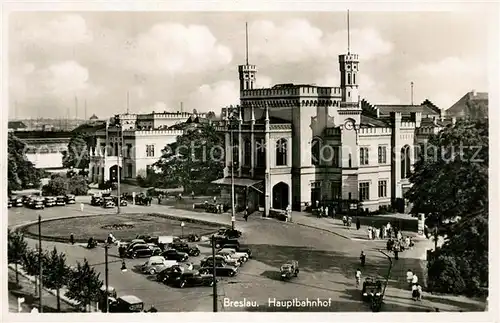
(280, 196)
(113, 173)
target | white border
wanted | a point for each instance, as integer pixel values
(492, 13)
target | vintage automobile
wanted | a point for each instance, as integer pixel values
(9, 203)
(193, 237)
(139, 251)
(222, 259)
(122, 249)
(155, 249)
(147, 238)
(70, 199)
(236, 246)
(163, 275)
(102, 296)
(184, 247)
(190, 278)
(60, 200)
(289, 269)
(17, 201)
(220, 270)
(242, 256)
(143, 199)
(50, 201)
(127, 304)
(96, 200)
(123, 202)
(37, 203)
(107, 202)
(156, 264)
(221, 241)
(372, 289)
(229, 233)
(132, 243)
(173, 254)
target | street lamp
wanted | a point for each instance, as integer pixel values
(40, 268)
(182, 229)
(232, 119)
(106, 274)
(214, 276)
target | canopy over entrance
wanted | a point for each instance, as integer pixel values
(242, 182)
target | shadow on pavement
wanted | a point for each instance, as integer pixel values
(469, 307)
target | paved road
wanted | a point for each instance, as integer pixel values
(327, 264)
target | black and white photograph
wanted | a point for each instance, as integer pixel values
(248, 161)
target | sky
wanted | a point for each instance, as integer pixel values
(60, 62)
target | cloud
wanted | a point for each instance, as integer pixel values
(446, 80)
(263, 81)
(297, 40)
(65, 30)
(175, 49)
(332, 80)
(375, 92)
(60, 81)
(212, 97)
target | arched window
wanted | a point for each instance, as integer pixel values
(348, 78)
(315, 151)
(353, 78)
(281, 152)
(405, 162)
(235, 151)
(248, 153)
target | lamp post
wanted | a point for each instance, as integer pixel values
(106, 276)
(118, 169)
(182, 229)
(232, 118)
(40, 269)
(214, 276)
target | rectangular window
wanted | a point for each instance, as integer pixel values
(382, 188)
(363, 156)
(382, 154)
(364, 191)
(129, 150)
(150, 150)
(336, 189)
(335, 157)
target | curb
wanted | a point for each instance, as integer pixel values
(322, 229)
(62, 297)
(23, 227)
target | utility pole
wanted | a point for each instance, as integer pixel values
(118, 169)
(233, 217)
(106, 275)
(40, 268)
(214, 275)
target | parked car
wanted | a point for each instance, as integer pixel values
(173, 254)
(127, 304)
(9, 203)
(50, 201)
(96, 200)
(17, 201)
(107, 202)
(155, 249)
(190, 278)
(147, 238)
(156, 264)
(237, 247)
(229, 233)
(220, 270)
(70, 199)
(61, 200)
(220, 260)
(241, 256)
(139, 251)
(37, 203)
(163, 275)
(123, 202)
(184, 247)
(221, 241)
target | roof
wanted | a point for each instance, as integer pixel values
(370, 122)
(131, 299)
(93, 117)
(16, 125)
(272, 120)
(406, 110)
(472, 104)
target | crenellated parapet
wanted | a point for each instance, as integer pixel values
(375, 131)
(292, 90)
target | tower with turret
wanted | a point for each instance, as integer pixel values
(247, 73)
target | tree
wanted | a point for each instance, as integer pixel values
(16, 249)
(78, 185)
(211, 115)
(21, 173)
(58, 185)
(194, 160)
(84, 285)
(450, 186)
(56, 273)
(31, 263)
(77, 155)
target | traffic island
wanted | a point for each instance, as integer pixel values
(122, 226)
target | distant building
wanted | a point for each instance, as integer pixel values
(45, 148)
(144, 137)
(16, 125)
(473, 105)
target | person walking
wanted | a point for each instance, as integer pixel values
(358, 277)
(414, 280)
(192, 195)
(72, 239)
(358, 224)
(362, 258)
(81, 207)
(245, 214)
(215, 199)
(409, 277)
(414, 292)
